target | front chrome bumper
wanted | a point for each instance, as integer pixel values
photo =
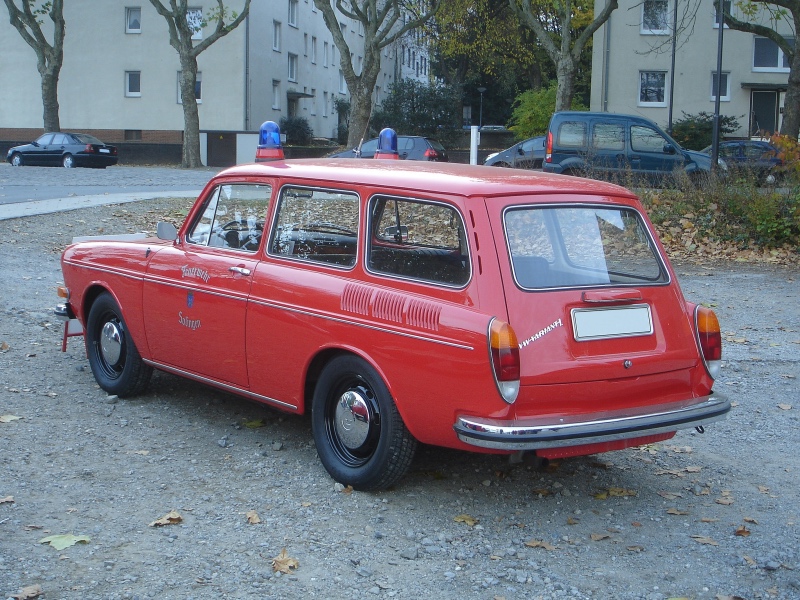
(536, 433)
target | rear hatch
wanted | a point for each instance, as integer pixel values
(600, 321)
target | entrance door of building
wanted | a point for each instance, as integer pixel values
(763, 112)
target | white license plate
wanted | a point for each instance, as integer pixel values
(105, 151)
(611, 322)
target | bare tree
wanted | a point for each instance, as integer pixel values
(786, 11)
(552, 23)
(183, 24)
(384, 22)
(27, 20)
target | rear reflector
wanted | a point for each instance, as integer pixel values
(504, 353)
(709, 338)
(548, 156)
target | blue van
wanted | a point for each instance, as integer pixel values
(609, 146)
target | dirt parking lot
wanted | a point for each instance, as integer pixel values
(712, 516)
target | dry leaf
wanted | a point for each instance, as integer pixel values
(596, 537)
(763, 489)
(252, 517)
(742, 531)
(4, 347)
(30, 591)
(540, 544)
(725, 501)
(543, 492)
(636, 548)
(675, 511)
(673, 472)
(284, 563)
(305, 504)
(750, 520)
(6, 499)
(693, 469)
(572, 521)
(721, 597)
(701, 539)
(171, 518)
(348, 490)
(670, 495)
(8, 418)
(465, 518)
(636, 524)
(749, 560)
(785, 406)
(60, 542)
(255, 424)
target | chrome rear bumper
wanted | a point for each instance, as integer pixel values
(576, 430)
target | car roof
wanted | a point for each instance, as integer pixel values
(432, 177)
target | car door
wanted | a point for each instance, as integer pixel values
(57, 148)
(36, 153)
(652, 155)
(607, 149)
(530, 154)
(196, 291)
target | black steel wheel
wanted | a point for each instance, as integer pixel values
(113, 357)
(360, 437)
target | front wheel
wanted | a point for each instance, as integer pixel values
(16, 160)
(113, 357)
(68, 161)
(360, 437)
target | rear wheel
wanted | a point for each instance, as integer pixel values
(360, 437)
(68, 161)
(16, 160)
(113, 357)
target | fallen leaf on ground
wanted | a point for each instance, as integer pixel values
(171, 518)
(6, 499)
(721, 597)
(305, 504)
(708, 520)
(693, 469)
(465, 518)
(763, 489)
(59, 542)
(596, 537)
(4, 347)
(785, 406)
(254, 424)
(673, 472)
(750, 520)
(675, 511)
(8, 418)
(724, 501)
(543, 492)
(252, 517)
(284, 563)
(572, 521)
(742, 531)
(750, 560)
(670, 495)
(701, 539)
(540, 544)
(30, 591)
(636, 548)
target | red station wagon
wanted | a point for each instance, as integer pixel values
(455, 305)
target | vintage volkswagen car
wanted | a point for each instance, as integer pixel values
(403, 302)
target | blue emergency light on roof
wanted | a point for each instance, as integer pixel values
(387, 144)
(269, 143)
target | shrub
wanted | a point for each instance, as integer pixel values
(298, 131)
(532, 110)
(695, 132)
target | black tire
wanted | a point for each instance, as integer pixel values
(364, 444)
(17, 160)
(113, 357)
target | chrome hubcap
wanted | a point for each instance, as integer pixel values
(111, 343)
(353, 419)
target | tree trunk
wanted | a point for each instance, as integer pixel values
(565, 75)
(790, 126)
(360, 105)
(190, 158)
(50, 98)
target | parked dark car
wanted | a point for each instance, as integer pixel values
(610, 146)
(409, 147)
(527, 154)
(64, 149)
(753, 156)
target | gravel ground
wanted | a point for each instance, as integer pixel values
(701, 516)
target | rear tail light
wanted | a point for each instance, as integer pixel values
(89, 148)
(431, 154)
(709, 338)
(504, 353)
(548, 151)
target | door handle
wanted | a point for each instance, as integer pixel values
(240, 270)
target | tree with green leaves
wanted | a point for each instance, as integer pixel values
(564, 28)
(383, 22)
(27, 20)
(184, 22)
(774, 12)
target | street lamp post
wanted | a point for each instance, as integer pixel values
(480, 118)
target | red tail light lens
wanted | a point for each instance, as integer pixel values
(709, 338)
(548, 151)
(431, 154)
(89, 148)
(504, 352)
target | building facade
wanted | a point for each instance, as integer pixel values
(120, 75)
(632, 70)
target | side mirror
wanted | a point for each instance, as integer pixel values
(166, 231)
(669, 149)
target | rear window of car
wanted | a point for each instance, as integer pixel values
(435, 145)
(572, 134)
(576, 246)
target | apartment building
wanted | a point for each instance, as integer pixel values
(632, 65)
(120, 75)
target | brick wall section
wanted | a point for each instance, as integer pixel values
(111, 136)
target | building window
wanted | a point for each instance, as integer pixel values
(276, 94)
(305, 44)
(342, 83)
(652, 88)
(133, 20)
(292, 67)
(325, 54)
(655, 17)
(276, 36)
(324, 104)
(726, 87)
(360, 29)
(133, 135)
(313, 50)
(133, 84)
(726, 6)
(194, 16)
(360, 63)
(198, 88)
(313, 100)
(293, 13)
(768, 57)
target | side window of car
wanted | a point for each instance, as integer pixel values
(729, 151)
(233, 217)
(44, 140)
(646, 139)
(608, 136)
(60, 139)
(369, 147)
(572, 134)
(419, 240)
(316, 225)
